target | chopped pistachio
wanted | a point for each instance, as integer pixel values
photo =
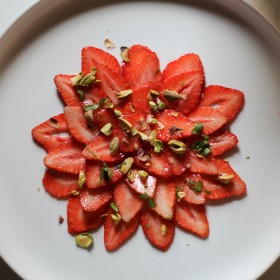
(160, 125)
(197, 129)
(114, 206)
(131, 175)
(125, 125)
(116, 218)
(134, 131)
(177, 147)
(150, 201)
(84, 240)
(109, 44)
(153, 137)
(106, 173)
(161, 105)
(152, 94)
(81, 94)
(117, 113)
(143, 174)
(89, 117)
(143, 136)
(153, 106)
(75, 192)
(124, 93)
(107, 129)
(207, 191)
(179, 194)
(81, 179)
(87, 80)
(108, 104)
(175, 114)
(76, 80)
(124, 54)
(198, 187)
(158, 146)
(163, 229)
(171, 95)
(126, 165)
(114, 145)
(225, 178)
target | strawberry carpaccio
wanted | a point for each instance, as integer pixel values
(143, 146)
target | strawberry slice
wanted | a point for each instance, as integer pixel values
(78, 219)
(47, 133)
(78, 126)
(192, 218)
(226, 100)
(116, 235)
(142, 186)
(66, 90)
(104, 116)
(159, 231)
(128, 201)
(66, 158)
(154, 163)
(188, 86)
(143, 66)
(205, 165)
(222, 141)
(211, 119)
(179, 163)
(173, 125)
(219, 189)
(111, 82)
(99, 149)
(59, 185)
(93, 172)
(186, 63)
(93, 200)
(91, 57)
(165, 198)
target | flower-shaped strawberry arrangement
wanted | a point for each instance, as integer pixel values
(143, 146)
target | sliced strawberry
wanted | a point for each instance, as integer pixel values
(188, 184)
(143, 66)
(93, 200)
(78, 219)
(189, 86)
(59, 185)
(159, 231)
(142, 186)
(179, 163)
(93, 172)
(66, 158)
(186, 63)
(99, 149)
(211, 119)
(192, 218)
(226, 100)
(104, 116)
(91, 57)
(222, 141)
(47, 133)
(218, 189)
(128, 201)
(66, 90)
(111, 82)
(78, 126)
(116, 235)
(155, 164)
(173, 125)
(165, 198)
(199, 164)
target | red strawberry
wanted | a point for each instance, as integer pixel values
(199, 164)
(189, 86)
(186, 63)
(47, 133)
(221, 142)
(211, 119)
(78, 126)
(99, 149)
(226, 100)
(159, 231)
(192, 218)
(59, 185)
(165, 198)
(91, 57)
(93, 200)
(179, 163)
(111, 82)
(219, 189)
(116, 235)
(127, 200)
(141, 186)
(78, 219)
(173, 125)
(104, 116)
(93, 172)
(143, 66)
(66, 158)
(66, 90)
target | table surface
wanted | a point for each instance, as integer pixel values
(270, 9)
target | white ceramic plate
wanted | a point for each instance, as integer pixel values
(245, 233)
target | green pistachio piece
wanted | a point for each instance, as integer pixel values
(131, 175)
(171, 95)
(106, 129)
(76, 80)
(153, 106)
(84, 240)
(75, 192)
(163, 229)
(117, 113)
(124, 93)
(126, 165)
(125, 125)
(179, 194)
(114, 207)
(143, 136)
(177, 147)
(87, 80)
(161, 105)
(81, 179)
(153, 137)
(116, 218)
(124, 54)
(108, 104)
(158, 146)
(114, 145)
(225, 178)
(152, 94)
(143, 174)
(197, 129)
